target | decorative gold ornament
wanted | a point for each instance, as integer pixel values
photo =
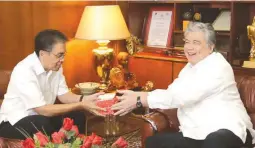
(251, 36)
(148, 86)
(133, 44)
(197, 16)
(117, 80)
(122, 59)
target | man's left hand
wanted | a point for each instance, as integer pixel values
(127, 102)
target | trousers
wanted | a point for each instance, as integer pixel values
(222, 138)
(31, 124)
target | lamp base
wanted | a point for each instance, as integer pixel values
(103, 64)
(249, 64)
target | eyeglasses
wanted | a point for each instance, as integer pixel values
(59, 56)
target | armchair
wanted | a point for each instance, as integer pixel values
(167, 121)
(4, 80)
(5, 77)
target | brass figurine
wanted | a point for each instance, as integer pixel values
(122, 78)
(251, 36)
(129, 77)
(117, 80)
(122, 59)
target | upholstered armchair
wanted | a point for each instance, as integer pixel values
(4, 80)
(167, 121)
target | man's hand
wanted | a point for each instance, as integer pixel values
(89, 103)
(93, 97)
(127, 102)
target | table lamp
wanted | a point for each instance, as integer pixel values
(102, 24)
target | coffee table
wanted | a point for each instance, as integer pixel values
(126, 124)
(128, 127)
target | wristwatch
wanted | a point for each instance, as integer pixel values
(138, 102)
(81, 97)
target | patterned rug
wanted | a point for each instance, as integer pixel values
(133, 139)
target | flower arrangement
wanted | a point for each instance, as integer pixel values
(69, 137)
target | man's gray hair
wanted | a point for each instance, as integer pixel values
(206, 28)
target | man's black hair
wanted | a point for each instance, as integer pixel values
(46, 39)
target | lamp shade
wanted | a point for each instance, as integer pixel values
(102, 23)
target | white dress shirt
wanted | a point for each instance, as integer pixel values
(30, 86)
(207, 99)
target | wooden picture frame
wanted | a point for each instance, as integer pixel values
(160, 18)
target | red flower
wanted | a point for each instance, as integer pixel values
(57, 137)
(92, 136)
(97, 140)
(75, 129)
(67, 124)
(87, 142)
(62, 134)
(28, 143)
(82, 136)
(120, 143)
(42, 138)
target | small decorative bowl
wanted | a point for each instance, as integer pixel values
(87, 88)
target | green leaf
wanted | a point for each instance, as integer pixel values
(37, 142)
(97, 146)
(70, 134)
(77, 143)
(49, 145)
(67, 145)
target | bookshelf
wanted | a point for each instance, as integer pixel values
(233, 43)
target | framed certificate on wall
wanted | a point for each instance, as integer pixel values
(159, 27)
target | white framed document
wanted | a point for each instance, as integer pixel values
(159, 27)
(223, 21)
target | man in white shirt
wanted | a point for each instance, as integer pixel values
(210, 111)
(35, 83)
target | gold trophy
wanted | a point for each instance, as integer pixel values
(251, 36)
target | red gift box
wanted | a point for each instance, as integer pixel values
(107, 104)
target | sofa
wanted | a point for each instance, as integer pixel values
(158, 120)
(167, 121)
(4, 80)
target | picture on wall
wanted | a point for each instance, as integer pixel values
(159, 27)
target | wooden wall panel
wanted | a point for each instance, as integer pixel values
(16, 33)
(21, 21)
(159, 72)
(64, 16)
(79, 62)
(252, 12)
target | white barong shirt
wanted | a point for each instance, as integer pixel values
(207, 99)
(30, 86)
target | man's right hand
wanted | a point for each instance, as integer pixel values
(89, 104)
